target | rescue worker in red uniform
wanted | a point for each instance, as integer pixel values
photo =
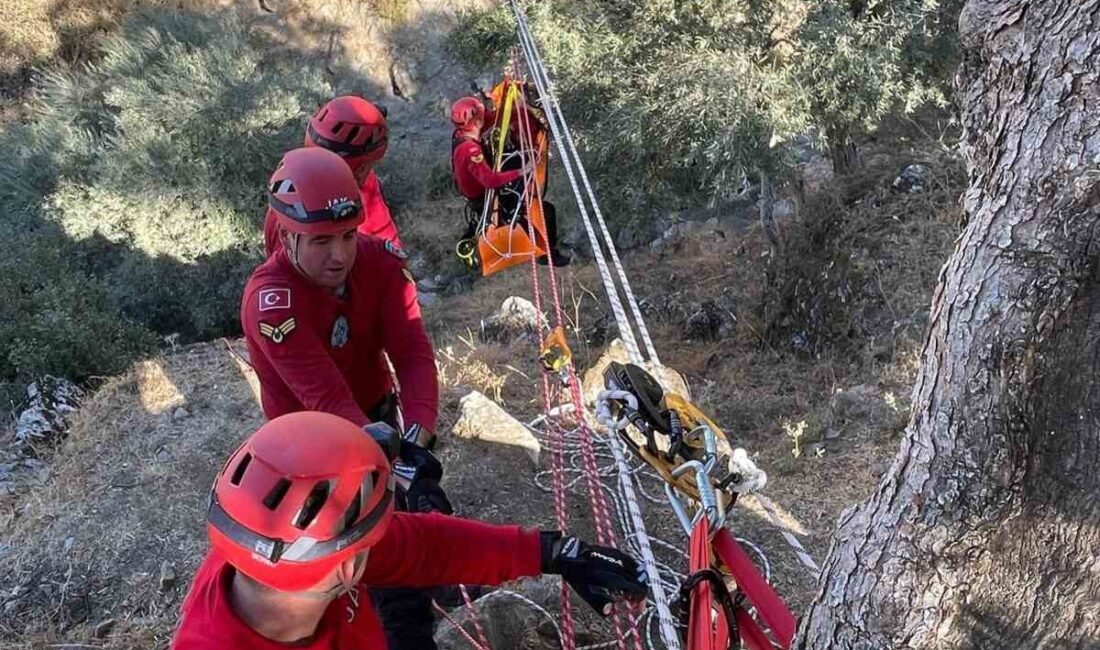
(356, 130)
(300, 521)
(318, 316)
(473, 176)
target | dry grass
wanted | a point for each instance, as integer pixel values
(123, 493)
(753, 386)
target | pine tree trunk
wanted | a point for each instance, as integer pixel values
(985, 532)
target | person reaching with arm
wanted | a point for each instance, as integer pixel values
(300, 521)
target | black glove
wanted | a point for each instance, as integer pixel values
(425, 495)
(386, 436)
(423, 471)
(598, 574)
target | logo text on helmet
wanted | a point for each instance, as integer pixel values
(264, 548)
(342, 208)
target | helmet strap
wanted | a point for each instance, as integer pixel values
(346, 584)
(291, 242)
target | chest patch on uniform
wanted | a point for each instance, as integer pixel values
(408, 275)
(395, 250)
(274, 299)
(477, 158)
(278, 333)
(339, 336)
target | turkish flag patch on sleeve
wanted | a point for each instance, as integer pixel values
(274, 299)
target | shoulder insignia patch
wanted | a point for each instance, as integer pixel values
(479, 158)
(274, 299)
(278, 333)
(408, 275)
(395, 250)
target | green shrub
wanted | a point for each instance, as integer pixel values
(133, 200)
(53, 318)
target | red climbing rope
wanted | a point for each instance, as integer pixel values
(605, 532)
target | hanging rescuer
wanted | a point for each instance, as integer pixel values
(302, 528)
(474, 177)
(356, 130)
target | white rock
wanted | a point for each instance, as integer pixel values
(516, 317)
(50, 402)
(480, 418)
(592, 382)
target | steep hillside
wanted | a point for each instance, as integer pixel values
(803, 348)
(124, 495)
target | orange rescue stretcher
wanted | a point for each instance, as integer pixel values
(503, 240)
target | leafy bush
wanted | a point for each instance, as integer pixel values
(860, 60)
(861, 261)
(133, 198)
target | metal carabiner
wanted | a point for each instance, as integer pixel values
(708, 499)
(710, 445)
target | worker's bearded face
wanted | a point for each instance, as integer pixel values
(326, 259)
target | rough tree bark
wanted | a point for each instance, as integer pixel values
(985, 532)
(842, 150)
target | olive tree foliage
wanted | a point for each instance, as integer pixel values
(672, 99)
(862, 59)
(682, 101)
(133, 196)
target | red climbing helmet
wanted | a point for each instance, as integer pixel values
(466, 111)
(300, 496)
(313, 192)
(352, 128)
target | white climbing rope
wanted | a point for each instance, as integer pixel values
(555, 119)
(553, 116)
(624, 494)
(538, 69)
(563, 139)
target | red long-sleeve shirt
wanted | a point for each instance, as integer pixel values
(472, 174)
(378, 222)
(315, 351)
(417, 551)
